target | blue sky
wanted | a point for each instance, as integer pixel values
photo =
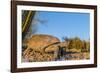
(61, 24)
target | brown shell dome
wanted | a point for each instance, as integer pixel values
(39, 41)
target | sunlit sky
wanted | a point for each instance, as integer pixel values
(61, 24)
